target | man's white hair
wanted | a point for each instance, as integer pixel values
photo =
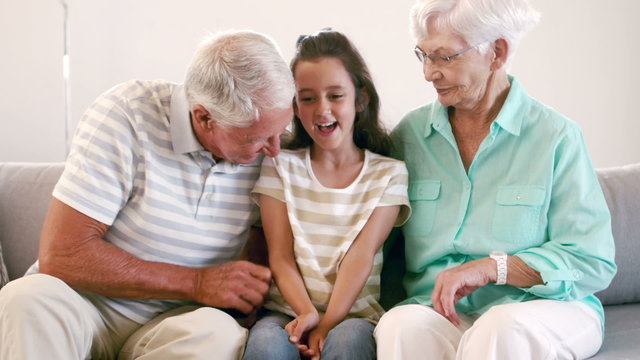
(237, 74)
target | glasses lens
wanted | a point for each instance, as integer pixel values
(439, 60)
(419, 54)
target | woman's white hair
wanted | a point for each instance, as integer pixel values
(476, 21)
(237, 74)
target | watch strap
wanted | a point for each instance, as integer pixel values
(501, 266)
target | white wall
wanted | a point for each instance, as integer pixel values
(580, 59)
(31, 85)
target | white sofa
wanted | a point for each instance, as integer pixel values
(25, 192)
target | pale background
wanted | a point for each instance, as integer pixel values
(581, 59)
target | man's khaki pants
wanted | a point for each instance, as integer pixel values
(43, 318)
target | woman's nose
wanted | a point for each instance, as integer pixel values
(431, 73)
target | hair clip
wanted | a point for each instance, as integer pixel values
(302, 37)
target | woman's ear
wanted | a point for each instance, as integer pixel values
(362, 100)
(500, 51)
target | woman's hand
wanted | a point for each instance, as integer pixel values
(455, 283)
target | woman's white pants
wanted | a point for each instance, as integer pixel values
(538, 329)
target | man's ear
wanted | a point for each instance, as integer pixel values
(201, 117)
(362, 100)
(500, 50)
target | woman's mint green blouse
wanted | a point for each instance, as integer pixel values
(530, 191)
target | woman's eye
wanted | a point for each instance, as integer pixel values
(305, 99)
(336, 96)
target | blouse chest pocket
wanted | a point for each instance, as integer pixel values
(423, 196)
(517, 214)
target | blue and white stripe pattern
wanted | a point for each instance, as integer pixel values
(135, 165)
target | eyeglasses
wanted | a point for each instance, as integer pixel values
(438, 59)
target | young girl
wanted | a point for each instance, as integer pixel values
(327, 205)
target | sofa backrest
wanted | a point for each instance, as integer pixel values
(25, 193)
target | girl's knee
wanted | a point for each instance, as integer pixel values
(351, 339)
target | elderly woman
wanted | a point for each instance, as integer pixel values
(510, 235)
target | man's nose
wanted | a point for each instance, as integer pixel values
(272, 147)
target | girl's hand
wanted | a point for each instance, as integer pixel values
(316, 342)
(300, 325)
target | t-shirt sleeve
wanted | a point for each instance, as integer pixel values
(99, 171)
(396, 192)
(269, 182)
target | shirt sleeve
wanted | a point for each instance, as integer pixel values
(396, 192)
(578, 259)
(269, 182)
(99, 171)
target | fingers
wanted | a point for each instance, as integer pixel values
(455, 283)
(294, 331)
(444, 299)
(436, 300)
(304, 349)
(306, 343)
(259, 272)
(308, 352)
(298, 327)
(316, 342)
(252, 298)
(454, 318)
(238, 285)
(317, 349)
(315, 356)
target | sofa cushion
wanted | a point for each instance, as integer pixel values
(25, 193)
(621, 187)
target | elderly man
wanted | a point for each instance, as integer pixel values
(139, 251)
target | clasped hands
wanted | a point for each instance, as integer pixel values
(308, 334)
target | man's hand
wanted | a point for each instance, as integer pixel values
(455, 283)
(237, 285)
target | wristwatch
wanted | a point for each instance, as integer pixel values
(501, 264)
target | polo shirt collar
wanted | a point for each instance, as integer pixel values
(182, 136)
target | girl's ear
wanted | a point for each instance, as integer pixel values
(362, 100)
